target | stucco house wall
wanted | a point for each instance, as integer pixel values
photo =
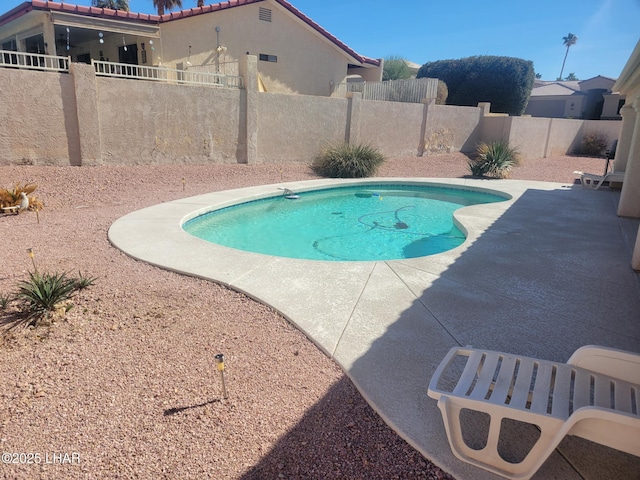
(306, 63)
(295, 54)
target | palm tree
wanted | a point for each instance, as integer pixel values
(567, 41)
(112, 4)
(396, 68)
(163, 5)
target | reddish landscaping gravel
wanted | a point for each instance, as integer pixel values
(126, 381)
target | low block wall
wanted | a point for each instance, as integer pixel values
(293, 128)
(39, 119)
(77, 118)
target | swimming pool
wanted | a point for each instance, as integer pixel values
(355, 223)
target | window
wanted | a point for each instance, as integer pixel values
(264, 14)
(268, 58)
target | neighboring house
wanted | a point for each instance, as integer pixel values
(590, 99)
(296, 55)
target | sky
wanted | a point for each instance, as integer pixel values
(425, 30)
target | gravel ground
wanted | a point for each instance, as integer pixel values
(125, 384)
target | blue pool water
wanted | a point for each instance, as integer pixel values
(368, 222)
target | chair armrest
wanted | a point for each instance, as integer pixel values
(608, 361)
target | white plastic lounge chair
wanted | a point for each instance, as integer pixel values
(595, 395)
(591, 180)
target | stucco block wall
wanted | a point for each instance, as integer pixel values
(38, 118)
(564, 136)
(529, 135)
(123, 121)
(294, 128)
(153, 123)
(610, 128)
(392, 127)
(463, 124)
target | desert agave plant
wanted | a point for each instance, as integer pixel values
(495, 159)
(348, 161)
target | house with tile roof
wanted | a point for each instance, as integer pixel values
(296, 55)
(591, 99)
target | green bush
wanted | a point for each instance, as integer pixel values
(506, 82)
(495, 159)
(593, 144)
(348, 161)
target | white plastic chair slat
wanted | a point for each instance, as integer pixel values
(540, 400)
(623, 393)
(485, 378)
(582, 389)
(602, 396)
(505, 380)
(469, 373)
(561, 392)
(522, 387)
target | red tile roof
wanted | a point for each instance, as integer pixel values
(122, 15)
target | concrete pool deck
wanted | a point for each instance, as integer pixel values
(540, 275)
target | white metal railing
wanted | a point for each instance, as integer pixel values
(34, 61)
(163, 74)
(413, 90)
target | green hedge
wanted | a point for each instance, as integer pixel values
(506, 82)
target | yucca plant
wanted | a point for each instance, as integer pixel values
(42, 292)
(4, 301)
(348, 161)
(82, 281)
(495, 159)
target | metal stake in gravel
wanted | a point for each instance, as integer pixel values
(32, 254)
(220, 361)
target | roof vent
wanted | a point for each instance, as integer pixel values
(264, 14)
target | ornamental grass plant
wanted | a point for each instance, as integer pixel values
(348, 161)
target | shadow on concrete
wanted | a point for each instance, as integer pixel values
(551, 274)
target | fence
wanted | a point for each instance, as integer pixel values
(168, 75)
(413, 90)
(33, 61)
(218, 67)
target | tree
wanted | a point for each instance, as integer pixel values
(396, 68)
(571, 77)
(567, 41)
(112, 4)
(163, 5)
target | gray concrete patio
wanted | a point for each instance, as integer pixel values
(540, 275)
